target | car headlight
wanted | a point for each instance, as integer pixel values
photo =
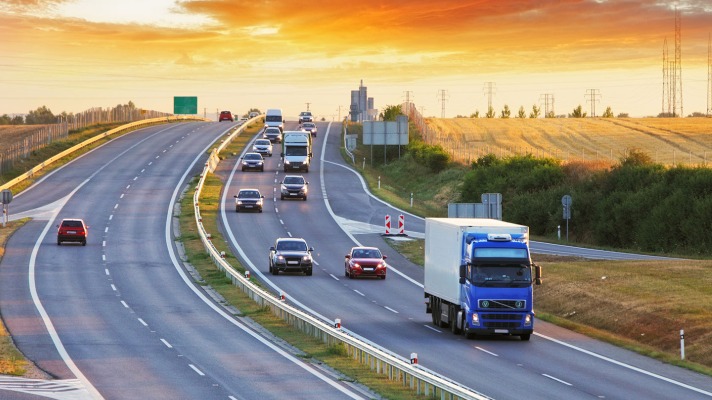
(356, 265)
(286, 162)
(260, 201)
(306, 258)
(280, 258)
(239, 202)
(244, 163)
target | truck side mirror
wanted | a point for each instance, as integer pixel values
(463, 271)
(537, 274)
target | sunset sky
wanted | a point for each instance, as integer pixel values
(71, 55)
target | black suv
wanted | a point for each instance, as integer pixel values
(293, 187)
(290, 255)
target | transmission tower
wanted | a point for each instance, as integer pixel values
(407, 101)
(548, 104)
(677, 69)
(489, 89)
(443, 97)
(593, 96)
(666, 81)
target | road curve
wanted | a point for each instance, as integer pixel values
(119, 318)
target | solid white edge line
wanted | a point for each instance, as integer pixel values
(624, 365)
(216, 308)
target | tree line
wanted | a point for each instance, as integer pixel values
(43, 116)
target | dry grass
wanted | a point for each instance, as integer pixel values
(666, 140)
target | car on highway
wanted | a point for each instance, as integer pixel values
(249, 199)
(290, 255)
(305, 116)
(262, 146)
(293, 187)
(365, 261)
(253, 114)
(72, 230)
(273, 134)
(309, 127)
(226, 116)
(253, 161)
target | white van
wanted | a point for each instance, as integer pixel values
(273, 117)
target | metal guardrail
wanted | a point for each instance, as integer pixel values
(350, 154)
(418, 378)
(37, 168)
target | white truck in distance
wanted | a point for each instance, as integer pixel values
(479, 276)
(296, 150)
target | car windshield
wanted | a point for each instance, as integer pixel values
(273, 131)
(292, 245)
(293, 180)
(262, 142)
(366, 253)
(307, 125)
(253, 157)
(248, 194)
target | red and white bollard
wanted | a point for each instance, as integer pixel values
(401, 224)
(222, 254)
(337, 323)
(282, 296)
(413, 358)
(247, 274)
(388, 224)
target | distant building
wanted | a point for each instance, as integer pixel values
(361, 108)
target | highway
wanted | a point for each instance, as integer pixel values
(120, 318)
(340, 213)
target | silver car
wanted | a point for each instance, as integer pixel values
(262, 146)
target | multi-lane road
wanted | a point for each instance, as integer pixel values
(120, 319)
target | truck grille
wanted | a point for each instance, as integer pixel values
(503, 304)
(503, 321)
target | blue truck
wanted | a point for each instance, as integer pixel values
(479, 276)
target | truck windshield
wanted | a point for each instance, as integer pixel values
(273, 118)
(296, 151)
(500, 275)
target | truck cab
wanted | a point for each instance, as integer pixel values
(296, 150)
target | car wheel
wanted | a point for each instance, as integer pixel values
(305, 198)
(237, 209)
(383, 277)
(84, 242)
(308, 272)
(260, 210)
(306, 169)
(346, 272)
(281, 197)
(262, 169)
(525, 337)
(243, 169)
(59, 242)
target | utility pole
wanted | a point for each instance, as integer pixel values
(489, 89)
(307, 106)
(709, 75)
(593, 96)
(443, 96)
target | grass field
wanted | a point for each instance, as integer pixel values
(666, 140)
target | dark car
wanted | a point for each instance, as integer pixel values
(272, 133)
(290, 255)
(225, 116)
(305, 116)
(72, 230)
(249, 199)
(365, 261)
(293, 187)
(253, 161)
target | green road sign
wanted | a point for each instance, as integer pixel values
(185, 105)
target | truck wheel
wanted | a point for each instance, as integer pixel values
(467, 331)
(453, 321)
(525, 337)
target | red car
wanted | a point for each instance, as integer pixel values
(226, 116)
(72, 230)
(365, 261)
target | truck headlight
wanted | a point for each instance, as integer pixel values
(286, 162)
(475, 319)
(528, 320)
